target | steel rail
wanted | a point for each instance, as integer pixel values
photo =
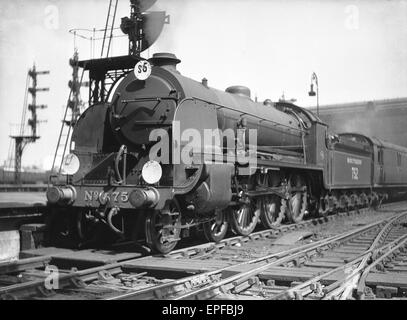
(238, 279)
(362, 282)
(370, 253)
(269, 260)
(24, 264)
(65, 279)
(341, 288)
(309, 286)
(73, 277)
(211, 246)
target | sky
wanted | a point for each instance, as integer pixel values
(358, 49)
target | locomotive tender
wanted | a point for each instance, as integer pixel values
(295, 168)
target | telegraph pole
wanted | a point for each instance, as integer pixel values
(22, 140)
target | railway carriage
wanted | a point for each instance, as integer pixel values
(388, 164)
(8, 177)
(127, 167)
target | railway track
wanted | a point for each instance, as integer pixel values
(127, 280)
(213, 250)
(343, 269)
(245, 280)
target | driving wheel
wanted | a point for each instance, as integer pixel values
(271, 213)
(243, 219)
(216, 229)
(297, 206)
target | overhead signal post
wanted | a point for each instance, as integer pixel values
(22, 139)
(142, 28)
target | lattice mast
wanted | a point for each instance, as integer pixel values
(72, 112)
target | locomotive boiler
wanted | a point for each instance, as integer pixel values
(168, 154)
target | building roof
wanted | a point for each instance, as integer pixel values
(360, 106)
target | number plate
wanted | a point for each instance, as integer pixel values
(106, 197)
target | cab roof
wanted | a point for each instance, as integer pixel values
(374, 141)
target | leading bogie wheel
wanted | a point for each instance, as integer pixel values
(243, 219)
(163, 228)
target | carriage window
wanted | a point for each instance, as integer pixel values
(399, 159)
(380, 156)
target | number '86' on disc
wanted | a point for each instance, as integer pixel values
(142, 70)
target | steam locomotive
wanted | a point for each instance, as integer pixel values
(137, 168)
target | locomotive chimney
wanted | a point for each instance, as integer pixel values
(165, 60)
(205, 82)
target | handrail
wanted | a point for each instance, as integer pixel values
(150, 99)
(245, 113)
(122, 151)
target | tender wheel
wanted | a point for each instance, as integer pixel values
(324, 206)
(375, 201)
(353, 201)
(163, 228)
(271, 212)
(383, 198)
(216, 229)
(297, 206)
(344, 203)
(243, 219)
(363, 200)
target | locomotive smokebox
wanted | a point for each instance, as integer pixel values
(165, 60)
